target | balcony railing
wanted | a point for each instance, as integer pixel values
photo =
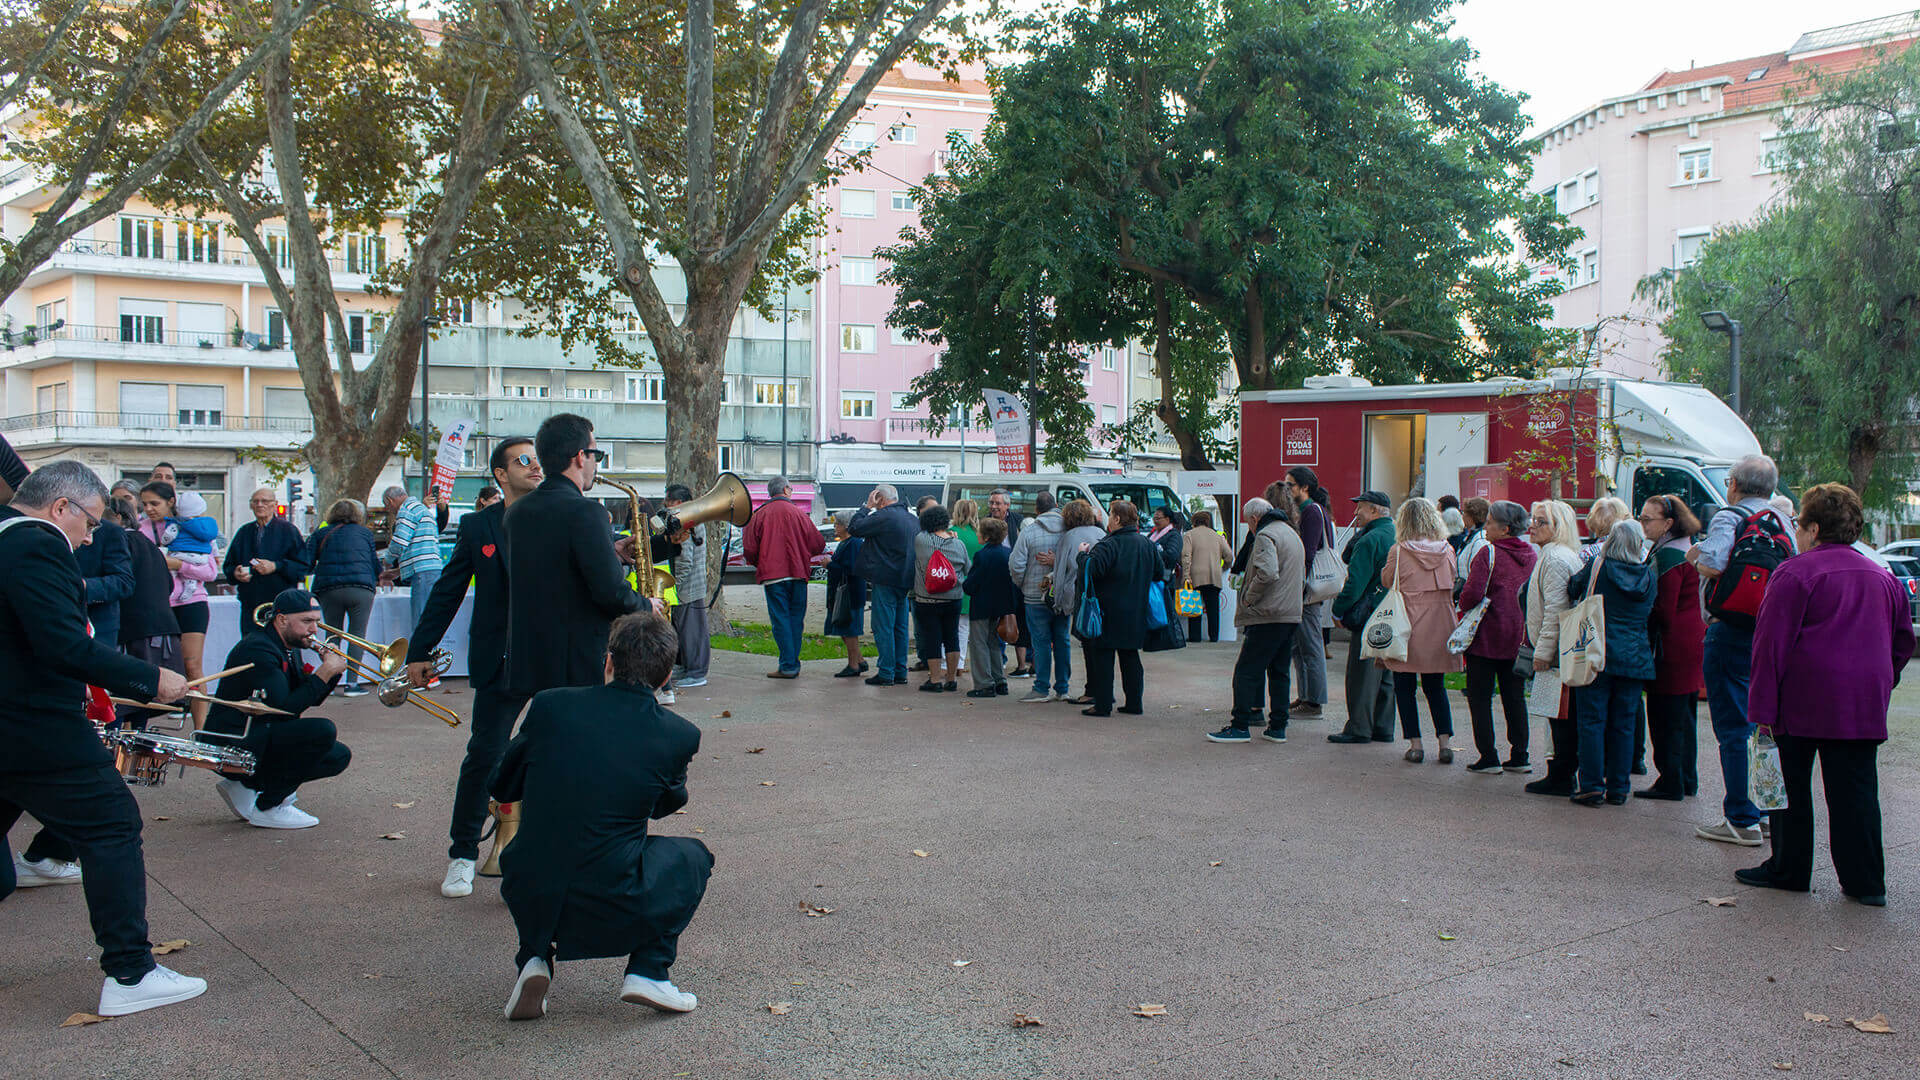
(920, 425)
(199, 420)
(163, 252)
(184, 339)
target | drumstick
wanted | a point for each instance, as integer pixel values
(205, 679)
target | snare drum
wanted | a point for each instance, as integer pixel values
(143, 756)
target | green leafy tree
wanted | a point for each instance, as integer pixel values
(1327, 186)
(1825, 284)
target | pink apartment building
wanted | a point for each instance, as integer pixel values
(865, 428)
(1648, 176)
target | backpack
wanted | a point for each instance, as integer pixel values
(1760, 544)
(940, 576)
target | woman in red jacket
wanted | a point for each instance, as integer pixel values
(1679, 633)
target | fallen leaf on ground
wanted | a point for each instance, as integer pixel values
(1213, 864)
(370, 975)
(1023, 1020)
(1719, 901)
(161, 817)
(699, 830)
(906, 708)
(815, 911)
(1448, 937)
(766, 783)
(404, 805)
(393, 836)
(961, 963)
(1838, 948)
(757, 750)
(679, 811)
(1783, 1066)
(779, 1008)
(920, 853)
(723, 714)
(723, 731)
(173, 946)
(1150, 1010)
(1817, 1018)
(1876, 1026)
(77, 1019)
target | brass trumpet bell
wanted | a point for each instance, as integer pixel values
(727, 500)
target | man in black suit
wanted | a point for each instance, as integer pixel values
(480, 556)
(106, 566)
(268, 556)
(590, 767)
(289, 750)
(55, 767)
(566, 582)
(1120, 568)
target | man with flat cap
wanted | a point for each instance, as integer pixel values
(1369, 686)
(289, 750)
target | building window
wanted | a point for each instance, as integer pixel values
(589, 393)
(900, 402)
(648, 389)
(456, 311)
(856, 202)
(1589, 266)
(856, 405)
(726, 390)
(856, 338)
(200, 406)
(278, 251)
(904, 202)
(857, 137)
(143, 322)
(143, 237)
(897, 335)
(143, 404)
(1696, 164)
(1687, 245)
(525, 390)
(725, 454)
(1590, 187)
(46, 315)
(364, 331)
(366, 254)
(1109, 359)
(50, 398)
(858, 271)
(767, 392)
(624, 318)
(904, 133)
(1109, 415)
(276, 329)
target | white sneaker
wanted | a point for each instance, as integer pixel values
(664, 697)
(238, 797)
(284, 816)
(688, 684)
(1037, 696)
(529, 998)
(1728, 833)
(659, 993)
(353, 691)
(28, 875)
(161, 986)
(459, 879)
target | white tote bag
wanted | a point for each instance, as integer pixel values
(1583, 635)
(1388, 628)
(1328, 575)
(1462, 637)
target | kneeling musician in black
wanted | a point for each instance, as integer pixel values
(582, 877)
(291, 750)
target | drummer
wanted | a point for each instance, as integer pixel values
(289, 750)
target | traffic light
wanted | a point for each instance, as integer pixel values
(293, 489)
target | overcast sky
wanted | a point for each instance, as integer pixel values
(1567, 56)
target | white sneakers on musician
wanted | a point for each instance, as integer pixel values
(28, 875)
(284, 816)
(459, 879)
(529, 998)
(664, 695)
(238, 797)
(659, 993)
(161, 986)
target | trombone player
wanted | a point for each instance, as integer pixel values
(290, 750)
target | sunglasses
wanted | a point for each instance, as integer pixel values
(598, 455)
(525, 461)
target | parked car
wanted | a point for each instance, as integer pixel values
(1907, 570)
(1906, 548)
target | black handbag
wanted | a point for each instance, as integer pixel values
(1167, 638)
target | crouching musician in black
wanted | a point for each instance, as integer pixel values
(582, 878)
(290, 750)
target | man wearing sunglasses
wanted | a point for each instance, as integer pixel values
(480, 556)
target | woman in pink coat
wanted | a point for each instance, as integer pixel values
(1423, 561)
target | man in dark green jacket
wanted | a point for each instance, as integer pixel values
(1369, 689)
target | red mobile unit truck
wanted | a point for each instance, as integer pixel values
(1573, 435)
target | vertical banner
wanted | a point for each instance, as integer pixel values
(453, 450)
(1010, 430)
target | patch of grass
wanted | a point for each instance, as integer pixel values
(757, 638)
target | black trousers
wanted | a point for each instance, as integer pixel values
(673, 879)
(1563, 768)
(1482, 675)
(1673, 726)
(1849, 773)
(1263, 672)
(494, 713)
(91, 809)
(1434, 685)
(290, 752)
(1100, 676)
(1210, 596)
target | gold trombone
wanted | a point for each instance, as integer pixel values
(388, 673)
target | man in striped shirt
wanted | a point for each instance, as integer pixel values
(414, 548)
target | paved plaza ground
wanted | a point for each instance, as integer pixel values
(1301, 910)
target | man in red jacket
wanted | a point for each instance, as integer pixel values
(780, 543)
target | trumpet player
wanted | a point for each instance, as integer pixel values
(289, 750)
(55, 767)
(479, 556)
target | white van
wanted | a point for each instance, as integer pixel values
(1146, 492)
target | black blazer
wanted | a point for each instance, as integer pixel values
(277, 671)
(107, 568)
(1122, 566)
(479, 556)
(147, 611)
(280, 543)
(565, 586)
(46, 658)
(590, 767)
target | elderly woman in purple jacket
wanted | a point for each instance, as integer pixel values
(1834, 630)
(1498, 573)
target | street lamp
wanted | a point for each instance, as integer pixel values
(1719, 323)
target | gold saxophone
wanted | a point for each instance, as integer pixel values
(654, 581)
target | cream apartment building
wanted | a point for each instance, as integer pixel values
(1649, 175)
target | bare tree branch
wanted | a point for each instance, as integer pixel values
(639, 164)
